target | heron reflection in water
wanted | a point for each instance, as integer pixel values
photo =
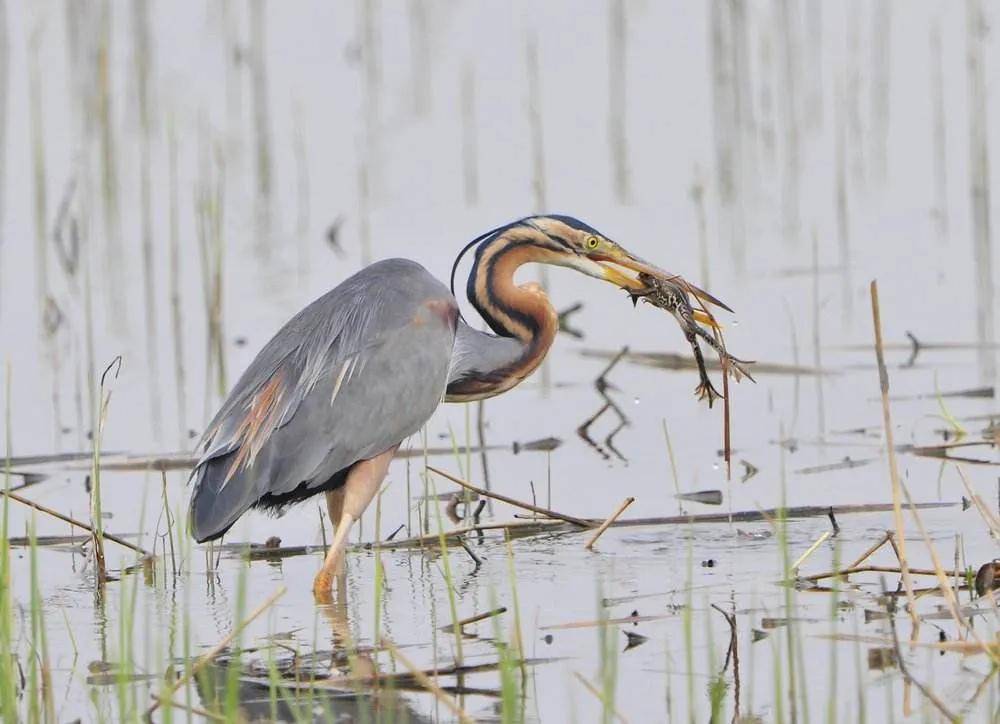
(328, 400)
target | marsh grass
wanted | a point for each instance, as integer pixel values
(607, 645)
(449, 583)
(210, 210)
(8, 658)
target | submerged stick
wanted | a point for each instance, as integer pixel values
(607, 523)
(207, 657)
(511, 501)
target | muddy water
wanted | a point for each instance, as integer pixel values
(359, 114)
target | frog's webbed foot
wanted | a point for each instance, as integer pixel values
(738, 367)
(706, 391)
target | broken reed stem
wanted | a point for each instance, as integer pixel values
(191, 709)
(897, 498)
(511, 501)
(809, 552)
(991, 520)
(74, 522)
(901, 662)
(607, 523)
(207, 657)
(873, 569)
(475, 619)
(425, 681)
(600, 697)
(871, 551)
(946, 590)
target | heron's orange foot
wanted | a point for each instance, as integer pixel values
(323, 586)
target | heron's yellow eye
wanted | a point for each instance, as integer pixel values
(592, 242)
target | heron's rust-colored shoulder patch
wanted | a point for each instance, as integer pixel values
(444, 309)
(259, 420)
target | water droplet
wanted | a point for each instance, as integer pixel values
(636, 401)
(715, 466)
(736, 323)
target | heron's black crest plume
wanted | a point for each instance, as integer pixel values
(575, 223)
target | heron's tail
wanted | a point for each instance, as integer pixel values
(219, 498)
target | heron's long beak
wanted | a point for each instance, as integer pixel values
(622, 269)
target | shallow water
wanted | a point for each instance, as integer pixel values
(337, 115)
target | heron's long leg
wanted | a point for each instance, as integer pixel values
(335, 504)
(362, 484)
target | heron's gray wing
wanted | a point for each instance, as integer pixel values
(353, 374)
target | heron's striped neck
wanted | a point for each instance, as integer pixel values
(521, 316)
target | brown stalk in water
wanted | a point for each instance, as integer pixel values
(673, 295)
(897, 497)
(511, 501)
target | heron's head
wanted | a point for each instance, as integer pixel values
(572, 243)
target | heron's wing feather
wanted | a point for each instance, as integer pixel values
(350, 376)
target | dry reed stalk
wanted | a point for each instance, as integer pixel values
(904, 670)
(207, 657)
(197, 711)
(812, 549)
(946, 590)
(872, 569)
(511, 501)
(470, 146)
(475, 619)
(141, 67)
(421, 678)
(176, 313)
(817, 347)
(259, 83)
(617, 104)
(600, 697)
(979, 185)
(74, 522)
(595, 623)
(940, 148)
(897, 498)
(871, 551)
(991, 520)
(607, 523)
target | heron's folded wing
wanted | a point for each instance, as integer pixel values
(349, 377)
